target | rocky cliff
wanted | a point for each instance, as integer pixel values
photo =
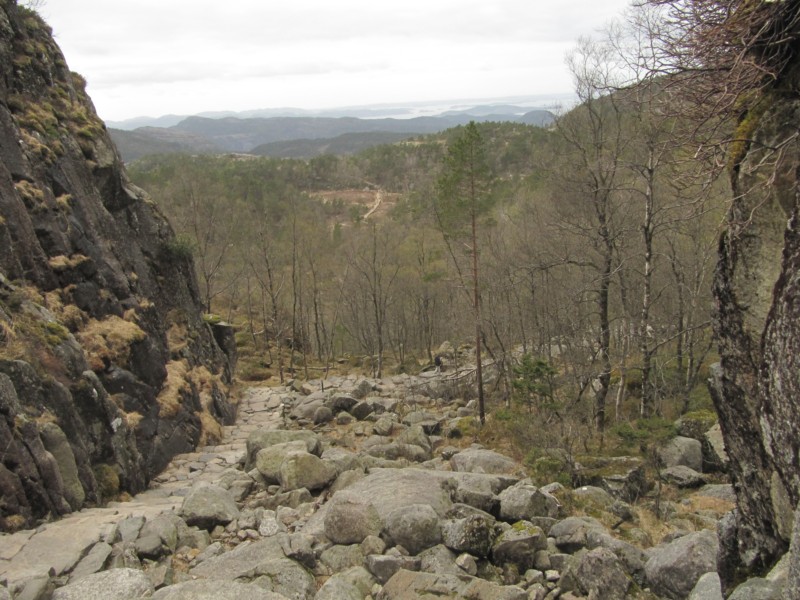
(107, 368)
(757, 294)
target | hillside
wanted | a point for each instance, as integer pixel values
(263, 135)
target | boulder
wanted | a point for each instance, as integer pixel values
(758, 588)
(414, 527)
(207, 506)
(268, 460)
(479, 460)
(708, 587)
(593, 496)
(384, 566)
(93, 562)
(633, 558)
(674, 568)
(518, 544)
(159, 536)
(204, 589)
(571, 534)
(341, 403)
(299, 547)
(350, 518)
(362, 410)
(303, 470)
(263, 438)
(695, 424)
(120, 584)
(322, 415)
(128, 529)
(623, 476)
(397, 450)
(473, 534)
(682, 477)
(416, 436)
(408, 585)
(340, 558)
(715, 457)
(352, 584)
(684, 451)
(56, 443)
(384, 425)
(525, 501)
(262, 563)
(597, 573)
(438, 559)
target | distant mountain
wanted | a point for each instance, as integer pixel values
(347, 143)
(139, 122)
(156, 140)
(299, 136)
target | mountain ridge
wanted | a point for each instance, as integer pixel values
(197, 134)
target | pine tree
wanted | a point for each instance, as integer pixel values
(463, 197)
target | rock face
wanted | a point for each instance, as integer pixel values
(756, 387)
(113, 369)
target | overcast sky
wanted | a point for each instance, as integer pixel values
(156, 57)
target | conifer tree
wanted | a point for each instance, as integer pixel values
(463, 198)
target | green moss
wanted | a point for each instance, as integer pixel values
(178, 249)
(212, 319)
(107, 480)
(745, 131)
(54, 333)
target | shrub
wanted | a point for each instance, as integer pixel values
(179, 249)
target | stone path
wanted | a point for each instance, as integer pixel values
(58, 546)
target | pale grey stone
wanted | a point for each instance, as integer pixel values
(525, 501)
(384, 566)
(55, 441)
(303, 470)
(120, 584)
(708, 587)
(415, 527)
(479, 460)
(205, 589)
(268, 460)
(570, 534)
(518, 544)
(758, 588)
(438, 559)
(597, 573)
(674, 568)
(683, 476)
(682, 451)
(207, 506)
(473, 534)
(263, 438)
(350, 519)
(92, 562)
(339, 558)
(466, 562)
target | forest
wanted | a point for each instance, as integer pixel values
(572, 263)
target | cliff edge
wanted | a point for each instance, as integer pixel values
(107, 367)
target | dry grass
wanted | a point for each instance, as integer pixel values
(109, 341)
(170, 398)
(62, 263)
(177, 338)
(205, 383)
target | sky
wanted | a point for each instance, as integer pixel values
(158, 57)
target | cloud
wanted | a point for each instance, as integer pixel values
(156, 50)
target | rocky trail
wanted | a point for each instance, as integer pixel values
(357, 488)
